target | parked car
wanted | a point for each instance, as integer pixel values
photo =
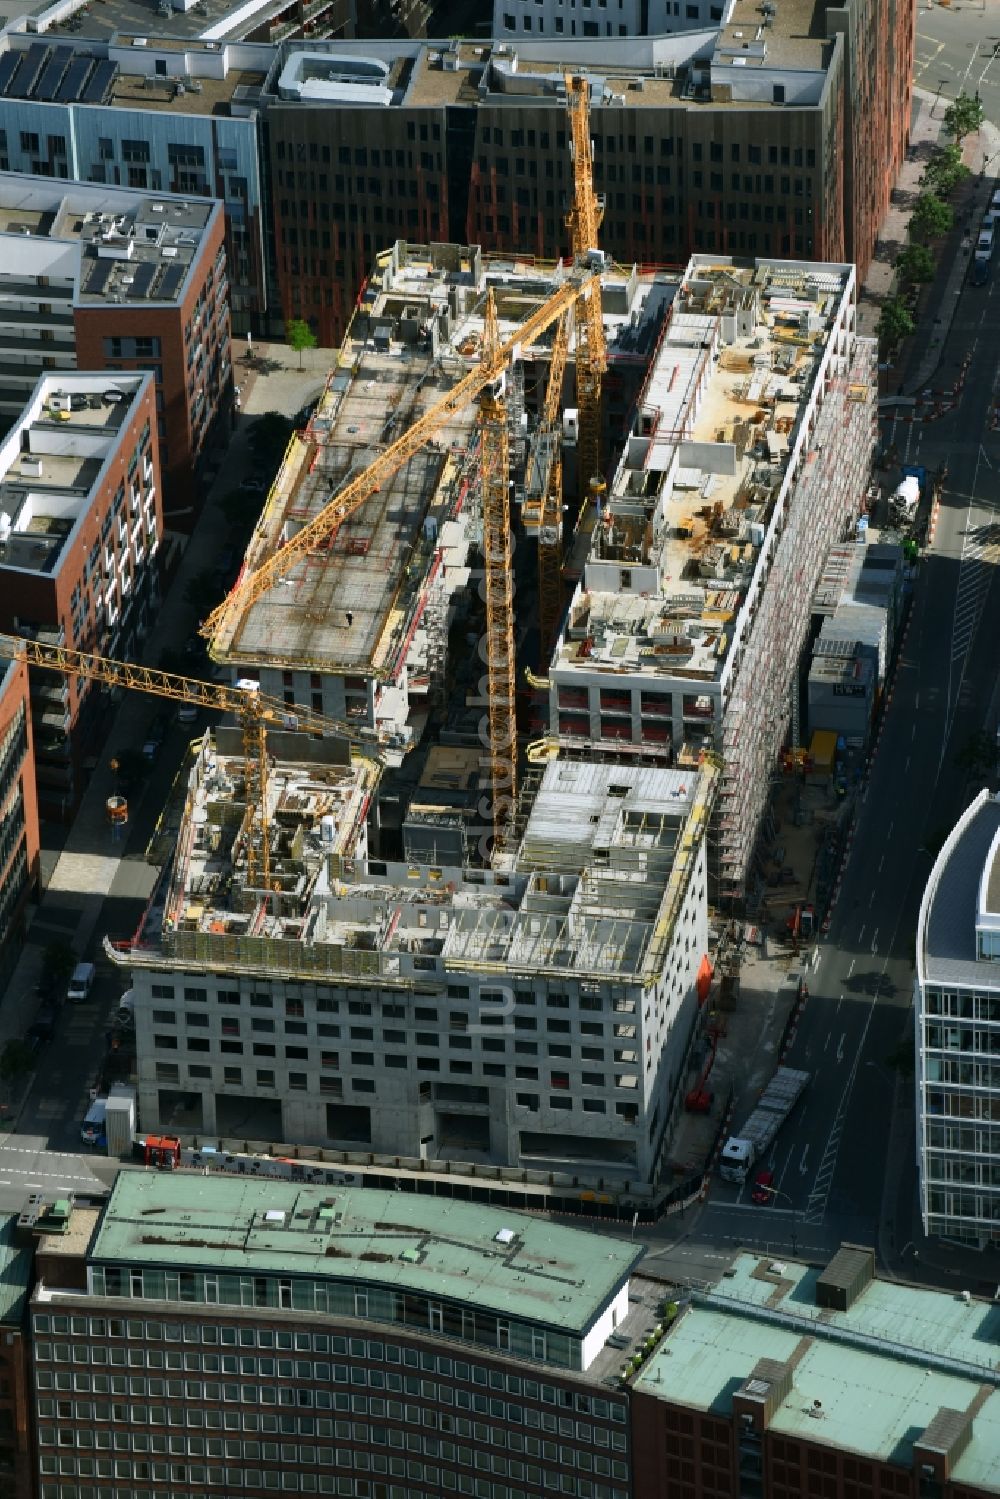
(187, 713)
(155, 735)
(93, 1127)
(763, 1187)
(254, 484)
(81, 983)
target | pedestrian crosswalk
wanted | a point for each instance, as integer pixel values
(977, 569)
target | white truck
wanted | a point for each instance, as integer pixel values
(906, 498)
(755, 1138)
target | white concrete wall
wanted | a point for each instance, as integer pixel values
(610, 1318)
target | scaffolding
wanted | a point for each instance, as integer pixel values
(822, 501)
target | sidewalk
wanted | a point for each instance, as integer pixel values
(90, 860)
(920, 357)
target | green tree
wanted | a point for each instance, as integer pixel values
(299, 336)
(930, 218)
(915, 264)
(895, 323)
(964, 116)
(945, 170)
(59, 959)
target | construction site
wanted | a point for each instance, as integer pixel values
(533, 997)
(750, 455)
(358, 624)
(539, 1013)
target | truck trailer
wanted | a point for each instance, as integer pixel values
(757, 1135)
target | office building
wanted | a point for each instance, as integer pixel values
(569, 19)
(783, 1381)
(18, 813)
(773, 131)
(172, 117)
(535, 1015)
(347, 1341)
(80, 526)
(118, 281)
(748, 456)
(957, 1001)
(17, 1465)
(360, 628)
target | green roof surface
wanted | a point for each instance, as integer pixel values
(543, 1273)
(979, 1465)
(874, 1406)
(938, 1323)
(15, 1271)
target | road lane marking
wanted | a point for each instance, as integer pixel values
(840, 1047)
(861, 935)
(880, 863)
(840, 1001)
(753, 1207)
(850, 970)
(875, 941)
(829, 1038)
(803, 1167)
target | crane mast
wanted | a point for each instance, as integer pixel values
(319, 532)
(499, 561)
(254, 709)
(584, 221)
(548, 458)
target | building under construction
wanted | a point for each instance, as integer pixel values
(749, 456)
(358, 626)
(538, 1014)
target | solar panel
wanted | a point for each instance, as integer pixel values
(72, 85)
(143, 280)
(48, 84)
(9, 64)
(30, 71)
(100, 274)
(171, 284)
(99, 87)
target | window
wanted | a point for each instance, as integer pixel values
(265, 1078)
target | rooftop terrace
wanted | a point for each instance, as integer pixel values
(681, 536)
(52, 458)
(594, 886)
(536, 1271)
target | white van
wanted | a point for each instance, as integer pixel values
(984, 244)
(81, 983)
(93, 1127)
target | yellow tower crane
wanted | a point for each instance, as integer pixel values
(584, 221)
(222, 624)
(499, 562)
(544, 495)
(254, 709)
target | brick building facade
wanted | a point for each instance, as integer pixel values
(80, 493)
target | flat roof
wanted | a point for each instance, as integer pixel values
(873, 1405)
(534, 1270)
(937, 1325)
(202, 95)
(53, 457)
(121, 247)
(947, 931)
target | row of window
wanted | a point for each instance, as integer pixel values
(87, 1438)
(238, 1480)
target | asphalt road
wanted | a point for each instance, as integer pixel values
(954, 52)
